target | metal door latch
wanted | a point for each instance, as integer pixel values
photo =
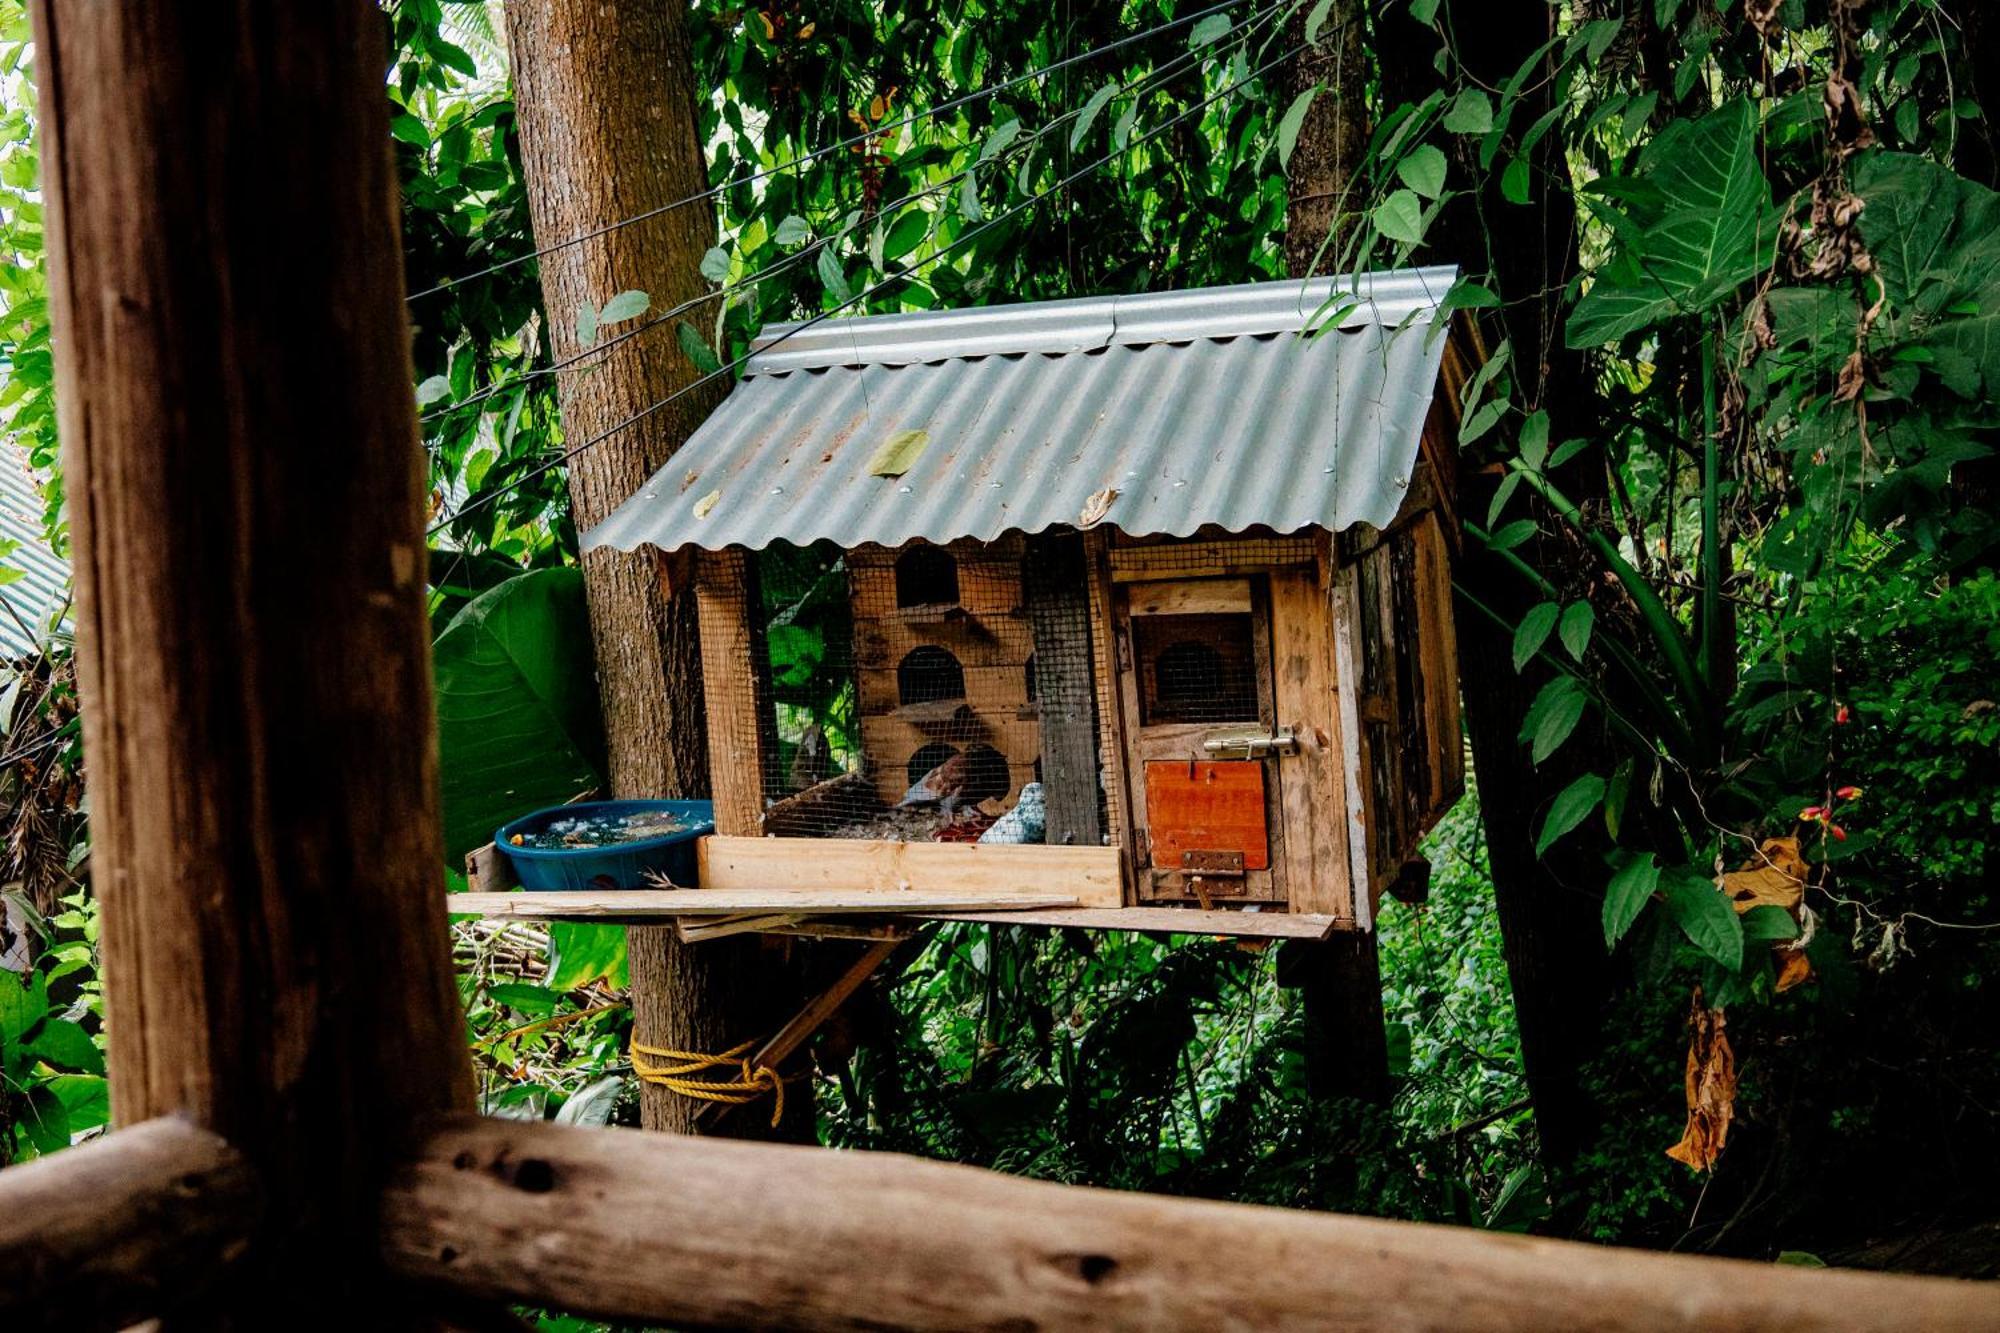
(1250, 744)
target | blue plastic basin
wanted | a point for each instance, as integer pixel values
(619, 866)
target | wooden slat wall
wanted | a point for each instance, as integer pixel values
(1087, 875)
(742, 746)
(1313, 794)
(1438, 635)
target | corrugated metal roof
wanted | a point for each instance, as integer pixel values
(1206, 407)
(43, 588)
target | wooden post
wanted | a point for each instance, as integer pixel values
(246, 496)
(1340, 980)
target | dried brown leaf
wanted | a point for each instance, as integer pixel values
(1710, 1088)
(1775, 878)
(1096, 507)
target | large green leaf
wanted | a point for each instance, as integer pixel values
(518, 724)
(1932, 234)
(1702, 227)
(1704, 915)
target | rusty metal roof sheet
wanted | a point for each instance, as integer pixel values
(40, 593)
(1206, 407)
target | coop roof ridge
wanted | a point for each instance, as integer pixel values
(1215, 408)
(1089, 323)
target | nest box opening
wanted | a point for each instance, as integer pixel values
(926, 576)
(927, 674)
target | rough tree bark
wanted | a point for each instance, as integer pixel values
(605, 94)
(1559, 971)
(246, 497)
(1339, 980)
(1332, 138)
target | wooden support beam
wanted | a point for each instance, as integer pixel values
(125, 1228)
(683, 1231)
(781, 1045)
(247, 500)
(630, 905)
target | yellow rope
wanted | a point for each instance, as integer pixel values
(750, 1083)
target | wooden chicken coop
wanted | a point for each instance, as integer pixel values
(1142, 603)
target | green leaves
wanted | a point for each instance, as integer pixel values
(1291, 121)
(1572, 803)
(794, 230)
(996, 142)
(1088, 115)
(1553, 716)
(1627, 895)
(580, 953)
(1423, 170)
(1931, 232)
(631, 305)
(626, 305)
(697, 351)
(1704, 915)
(1532, 632)
(834, 277)
(1400, 217)
(714, 267)
(1471, 113)
(1577, 622)
(1698, 223)
(907, 234)
(1209, 31)
(518, 724)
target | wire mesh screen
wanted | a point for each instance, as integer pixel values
(932, 693)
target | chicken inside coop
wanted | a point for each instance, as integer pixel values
(903, 694)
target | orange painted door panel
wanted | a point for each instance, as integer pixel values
(1207, 807)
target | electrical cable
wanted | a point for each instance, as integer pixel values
(816, 154)
(644, 413)
(1160, 75)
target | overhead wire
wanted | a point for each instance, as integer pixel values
(963, 239)
(1156, 76)
(766, 173)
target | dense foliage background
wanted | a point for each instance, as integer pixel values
(1729, 494)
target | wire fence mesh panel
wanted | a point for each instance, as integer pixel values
(904, 695)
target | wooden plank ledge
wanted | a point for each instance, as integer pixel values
(1174, 920)
(1088, 876)
(124, 1228)
(684, 1231)
(664, 904)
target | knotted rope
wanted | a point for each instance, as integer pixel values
(750, 1083)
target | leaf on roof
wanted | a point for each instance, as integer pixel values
(706, 503)
(1096, 507)
(899, 453)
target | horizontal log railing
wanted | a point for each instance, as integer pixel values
(129, 1226)
(622, 1225)
(694, 1232)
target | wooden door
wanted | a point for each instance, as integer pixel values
(1197, 695)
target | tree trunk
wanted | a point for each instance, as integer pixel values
(1548, 906)
(605, 96)
(1340, 979)
(246, 496)
(1333, 138)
